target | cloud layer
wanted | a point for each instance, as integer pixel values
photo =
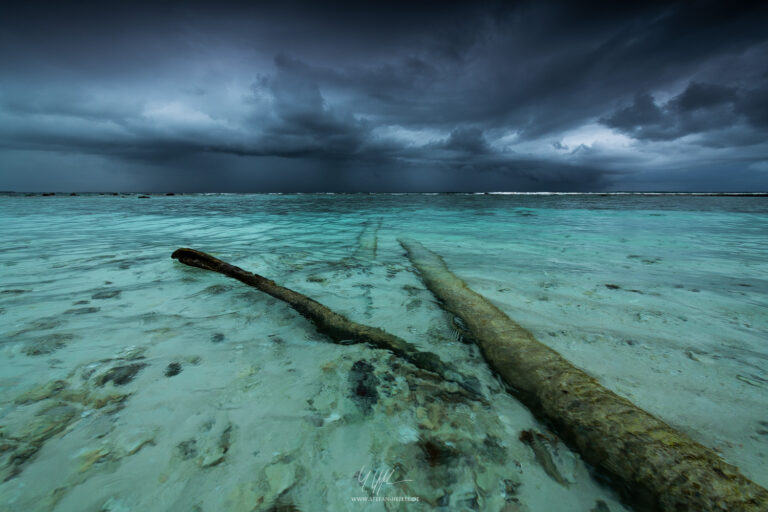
(508, 96)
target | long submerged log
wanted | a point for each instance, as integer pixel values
(367, 242)
(653, 465)
(328, 322)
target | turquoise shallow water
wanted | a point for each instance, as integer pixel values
(128, 381)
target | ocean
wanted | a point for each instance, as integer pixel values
(129, 381)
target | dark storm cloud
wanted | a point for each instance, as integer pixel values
(754, 105)
(699, 109)
(372, 96)
(304, 122)
(703, 96)
(468, 140)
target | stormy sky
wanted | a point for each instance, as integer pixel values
(300, 96)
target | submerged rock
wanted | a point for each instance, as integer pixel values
(120, 375)
(46, 344)
(81, 311)
(106, 294)
(50, 421)
(510, 490)
(217, 289)
(412, 291)
(13, 292)
(493, 450)
(210, 446)
(413, 304)
(280, 477)
(648, 261)
(363, 383)
(187, 449)
(40, 324)
(132, 353)
(214, 450)
(437, 453)
(47, 390)
(17, 449)
(173, 369)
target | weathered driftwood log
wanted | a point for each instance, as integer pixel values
(653, 465)
(335, 326)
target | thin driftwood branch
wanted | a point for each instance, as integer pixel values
(337, 327)
(655, 466)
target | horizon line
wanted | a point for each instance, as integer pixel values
(425, 192)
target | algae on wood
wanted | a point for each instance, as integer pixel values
(653, 465)
(328, 322)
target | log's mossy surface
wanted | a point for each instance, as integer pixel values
(655, 466)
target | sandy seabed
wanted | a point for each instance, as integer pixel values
(131, 382)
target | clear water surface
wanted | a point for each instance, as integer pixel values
(131, 382)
